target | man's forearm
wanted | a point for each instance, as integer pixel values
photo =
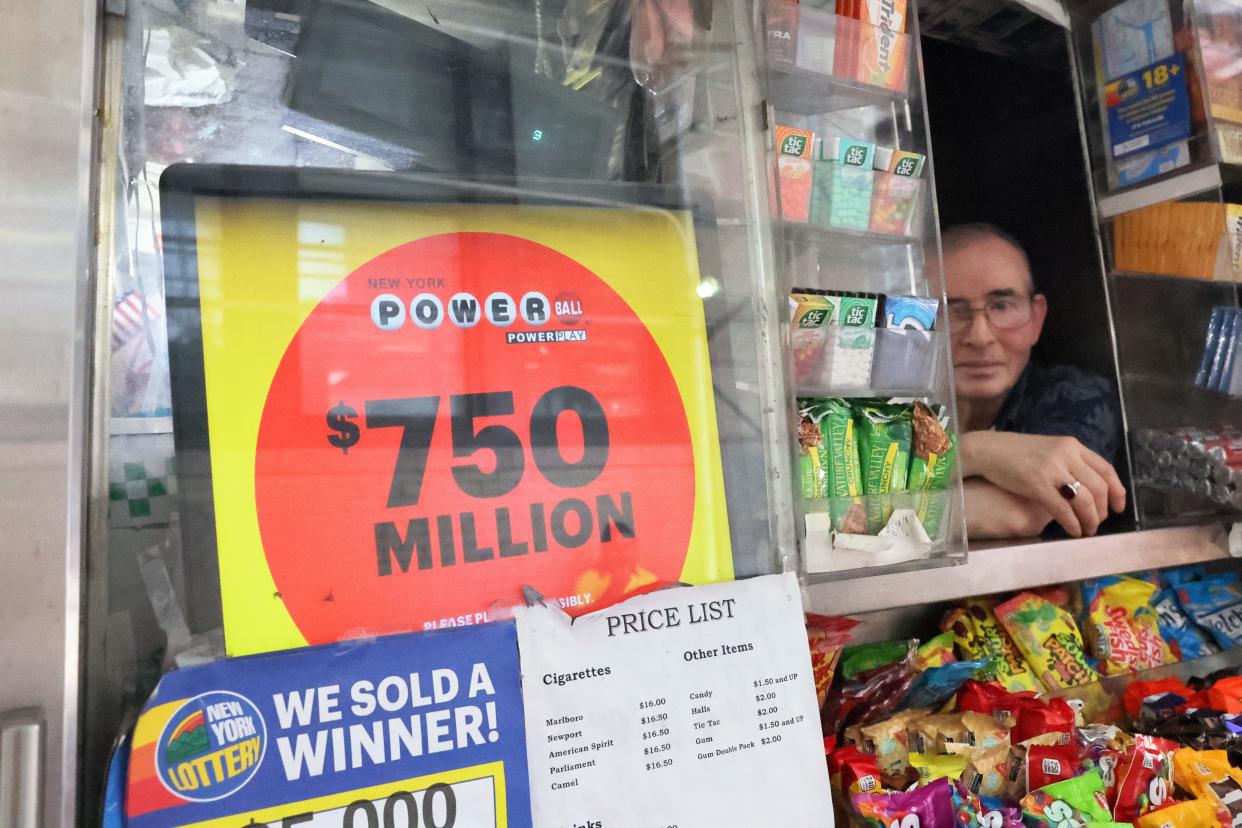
(993, 513)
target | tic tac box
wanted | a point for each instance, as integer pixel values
(410, 728)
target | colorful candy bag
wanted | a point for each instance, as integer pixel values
(1215, 603)
(935, 652)
(1080, 798)
(1193, 813)
(1103, 748)
(1124, 629)
(1145, 780)
(930, 805)
(869, 698)
(974, 811)
(1049, 639)
(826, 635)
(979, 635)
(851, 772)
(937, 685)
(1208, 775)
(1185, 639)
(992, 699)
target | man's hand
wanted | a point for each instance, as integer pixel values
(1035, 467)
(994, 514)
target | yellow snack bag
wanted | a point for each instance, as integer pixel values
(979, 635)
(1193, 813)
(1124, 630)
(1049, 639)
(1208, 776)
(931, 767)
(936, 652)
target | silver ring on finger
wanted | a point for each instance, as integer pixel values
(1070, 490)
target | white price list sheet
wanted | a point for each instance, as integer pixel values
(691, 707)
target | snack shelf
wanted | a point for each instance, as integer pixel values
(1021, 566)
(886, 537)
(804, 232)
(804, 92)
(1170, 188)
(1124, 275)
(905, 363)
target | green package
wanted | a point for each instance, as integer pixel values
(884, 437)
(933, 450)
(1078, 799)
(828, 438)
(863, 657)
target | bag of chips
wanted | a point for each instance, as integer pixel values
(1145, 778)
(826, 635)
(1215, 604)
(1080, 799)
(980, 636)
(1207, 775)
(1193, 813)
(1049, 639)
(1124, 629)
(931, 806)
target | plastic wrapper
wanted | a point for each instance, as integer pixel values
(1207, 775)
(884, 438)
(1215, 604)
(1198, 729)
(1137, 691)
(1226, 695)
(933, 766)
(935, 652)
(1080, 799)
(851, 772)
(1123, 628)
(871, 697)
(931, 806)
(830, 460)
(1046, 764)
(936, 685)
(987, 771)
(991, 698)
(933, 734)
(827, 635)
(1193, 813)
(864, 657)
(1145, 778)
(1103, 748)
(1049, 640)
(1185, 639)
(979, 635)
(932, 450)
(1036, 717)
(888, 741)
(984, 732)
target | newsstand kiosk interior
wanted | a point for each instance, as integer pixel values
(417, 329)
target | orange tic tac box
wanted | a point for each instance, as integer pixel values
(794, 168)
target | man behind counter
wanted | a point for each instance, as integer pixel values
(1038, 443)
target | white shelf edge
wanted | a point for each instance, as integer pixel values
(1169, 189)
(1021, 566)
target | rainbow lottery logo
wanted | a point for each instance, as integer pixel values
(211, 747)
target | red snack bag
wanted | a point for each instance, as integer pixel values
(826, 635)
(1139, 690)
(1036, 717)
(1226, 695)
(1046, 764)
(1145, 778)
(992, 699)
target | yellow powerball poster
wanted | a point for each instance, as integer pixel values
(415, 405)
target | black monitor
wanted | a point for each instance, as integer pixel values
(459, 108)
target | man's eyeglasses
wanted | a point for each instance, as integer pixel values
(1004, 313)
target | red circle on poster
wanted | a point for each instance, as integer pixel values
(436, 436)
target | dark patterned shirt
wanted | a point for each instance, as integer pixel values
(1064, 401)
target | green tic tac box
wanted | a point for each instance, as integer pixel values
(842, 186)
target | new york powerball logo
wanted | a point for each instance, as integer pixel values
(211, 747)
